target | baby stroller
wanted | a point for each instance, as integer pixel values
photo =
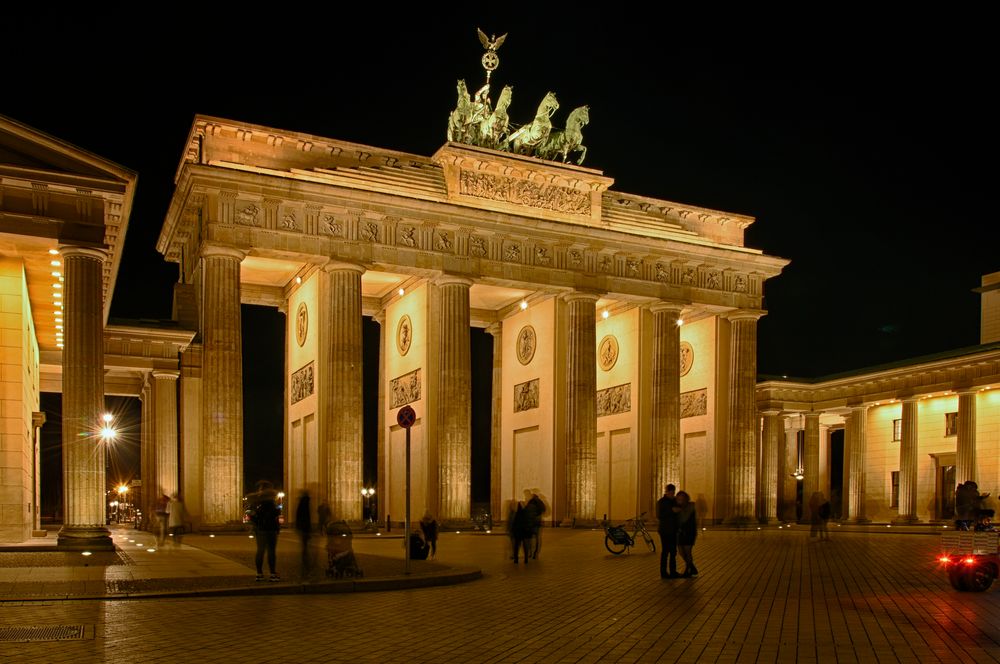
(340, 552)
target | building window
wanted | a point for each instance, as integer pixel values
(894, 492)
(951, 424)
(897, 430)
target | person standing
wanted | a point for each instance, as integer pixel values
(687, 531)
(263, 510)
(667, 527)
(536, 509)
(161, 518)
(303, 524)
(429, 528)
(175, 518)
(323, 516)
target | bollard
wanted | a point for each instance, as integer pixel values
(388, 523)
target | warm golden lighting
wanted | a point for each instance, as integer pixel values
(524, 305)
(680, 321)
(402, 292)
(605, 314)
(57, 274)
(55, 263)
(54, 252)
(298, 280)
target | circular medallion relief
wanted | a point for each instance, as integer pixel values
(404, 335)
(526, 342)
(687, 358)
(301, 323)
(607, 352)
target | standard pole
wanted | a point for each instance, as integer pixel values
(406, 517)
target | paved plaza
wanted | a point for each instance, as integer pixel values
(762, 596)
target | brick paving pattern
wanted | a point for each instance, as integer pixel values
(763, 596)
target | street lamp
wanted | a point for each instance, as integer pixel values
(368, 493)
(108, 431)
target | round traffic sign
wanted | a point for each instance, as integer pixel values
(406, 417)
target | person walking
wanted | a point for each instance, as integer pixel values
(323, 515)
(263, 511)
(519, 529)
(667, 528)
(161, 518)
(175, 518)
(536, 508)
(429, 528)
(687, 531)
(303, 524)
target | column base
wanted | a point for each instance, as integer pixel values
(908, 520)
(856, 520)
(85, 538)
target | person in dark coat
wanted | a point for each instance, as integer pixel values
(429, 527)
(262, 507)
(303, 524)
(667, 518)
(687, 531)
(519, 529)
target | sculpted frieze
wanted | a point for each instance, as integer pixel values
(407, 236)
(289, 223)
(614, 400)
(694, 403)
(542, 256)
(523, 192)
(302, 383)
(332, 226)
(405, 389)
(370, 231)
(247, 216)
(442, 241)
(477, 246)
(512, 253)
(526, 396)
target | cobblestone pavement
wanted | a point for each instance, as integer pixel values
(762, 596)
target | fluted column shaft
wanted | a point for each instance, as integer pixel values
(222, 388)
(454, 407)
(379, 482)
(496, 329)
(810, 464)
(165, 395)
(742, 478)
(772, 436)
(147, 453)
(908, 462)
(581, 408)
(83, 400)
(665, 403)
(855, 460)
(965, 459)
(340, 286)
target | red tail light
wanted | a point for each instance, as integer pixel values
(970, 560)
(944, 559)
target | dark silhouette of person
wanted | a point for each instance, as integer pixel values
(323, 515)
(535, 508)
(687, 531)
(519, 527)
(667, 527)
(429, 528)
(303, 524)
(262, 507)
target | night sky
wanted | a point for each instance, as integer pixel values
(863, 147)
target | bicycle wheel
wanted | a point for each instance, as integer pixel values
(650, 542)
(613, 546)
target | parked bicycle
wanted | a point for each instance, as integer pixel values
(618, 540)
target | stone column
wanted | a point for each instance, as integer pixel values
(380, 485)
(37, 421)
(454, 400)
(165, 394)
(908, 463)
(772, 435)
(496, 405)
(742, 472)
(222, 389)
(965, 459)
(855, 460)
(665, 403)
(810, 464)
(581, 409)
(83, 450)
(147, 457)
(341, 401)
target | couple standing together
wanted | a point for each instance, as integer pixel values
(678, 528)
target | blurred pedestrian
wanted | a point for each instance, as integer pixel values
(667, 528)
(262, 508)
(323, 515)
(687, 531)
(175, 518)
(519, 529)
(161, 518)
(536, 509)
(303, 524)
(429, 528)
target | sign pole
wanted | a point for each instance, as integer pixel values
(405, 418)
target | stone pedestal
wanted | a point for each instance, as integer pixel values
(965, 457)
(496, 329)
(742, 471)
(222, 390)
(341, 398)
(83, 448)
(908, 463)
(581, 409)
(165, 396)
(454, 403)
(665, 403)
(855, 458)
(772, 436)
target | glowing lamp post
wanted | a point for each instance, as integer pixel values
(368, 493)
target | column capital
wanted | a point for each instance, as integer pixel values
(669, 308)
(575, 296)
(166, 374)
(494, 328)
(96, 253)
(340, 266)
(770, 412)
(858, 409)
(222, 251)
(967, 391)
(379, 317)
(745, 314)
(909, 398)
(452, 279)
(37, 419)
(812, 415)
